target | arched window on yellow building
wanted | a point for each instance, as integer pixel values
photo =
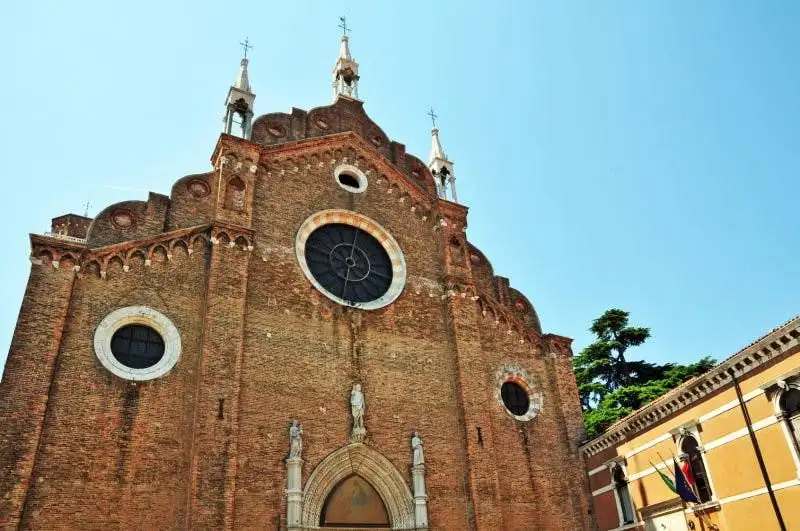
(691, 450)
(790, 411)
(623, 494)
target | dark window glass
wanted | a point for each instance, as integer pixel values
(348, 262)
(624, 495)
(790, 404)
(695, 458)
(515, 398)
(348, 180)
(137, 346)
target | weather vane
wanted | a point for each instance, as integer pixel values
(343, 25)
(433, 117)
(246, 46)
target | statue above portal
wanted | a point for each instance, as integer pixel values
(295, 440)
(357, 407)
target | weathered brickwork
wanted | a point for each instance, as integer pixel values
(204, 446)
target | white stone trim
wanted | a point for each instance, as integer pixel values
(326, 217)
(691, 429)
(730, 405)
(355, 172)
(732, 436)
(703, 418)
(776, 402)
(603, 490)
(373, 467)
(510, 372)
(620, 463)
(649, 444)
(144, 316)
(647, 471)
(758, 492)
(597, 470)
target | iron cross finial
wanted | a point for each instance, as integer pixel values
(246, 46)
(433, 117)
(86, 211)
(343, 25)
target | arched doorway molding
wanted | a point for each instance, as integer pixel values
(373, 467)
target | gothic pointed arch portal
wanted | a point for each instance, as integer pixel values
(377, 472)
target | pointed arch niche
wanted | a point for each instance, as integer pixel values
(235, 194)
(360, 470)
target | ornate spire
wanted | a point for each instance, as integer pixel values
(240, 99)
(440, 166)
(345, 72)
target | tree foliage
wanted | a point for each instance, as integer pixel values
(610, 385)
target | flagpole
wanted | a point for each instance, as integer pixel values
(757, 449)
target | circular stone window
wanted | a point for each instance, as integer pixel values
(517, 393)
(137, 343)
(515, 398)
(351, 259)
(350, 178)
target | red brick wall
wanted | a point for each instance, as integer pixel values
(258, 337)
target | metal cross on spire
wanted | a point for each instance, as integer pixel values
(433, 117)
(343, 25)
(246, 46)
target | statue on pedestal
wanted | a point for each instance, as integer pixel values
(295, 440)
(416, 447)
(357, 406)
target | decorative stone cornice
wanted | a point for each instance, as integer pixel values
(771, 346)
(94, 262)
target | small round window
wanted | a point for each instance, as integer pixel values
(350, 178)
(518, 392)
(137, 346)
(515, 398)
(137, 343)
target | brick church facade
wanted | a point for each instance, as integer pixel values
(301, 338)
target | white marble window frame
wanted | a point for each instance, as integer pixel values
(516, 374)
(368, 225)
(615, 489)
(355, 172)
(692, 429)
(788, 385)
(141, 315)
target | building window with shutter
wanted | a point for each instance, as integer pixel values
(623, 494)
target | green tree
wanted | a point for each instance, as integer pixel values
(602, 367)
(610, 386)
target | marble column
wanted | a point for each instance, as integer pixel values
(294, 493)
(420, 496)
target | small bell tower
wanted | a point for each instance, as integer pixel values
(239, 104)
(345, 72)
(440, 166)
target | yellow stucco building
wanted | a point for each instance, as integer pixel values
(703, 423)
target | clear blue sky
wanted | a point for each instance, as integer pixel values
(640, 155)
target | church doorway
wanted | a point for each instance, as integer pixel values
(354, 504)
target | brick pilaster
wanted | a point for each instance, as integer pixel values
(214, 451)
(25, 388)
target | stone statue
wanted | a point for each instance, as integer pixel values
(416, 447)
(295, 440)
(357, 406)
